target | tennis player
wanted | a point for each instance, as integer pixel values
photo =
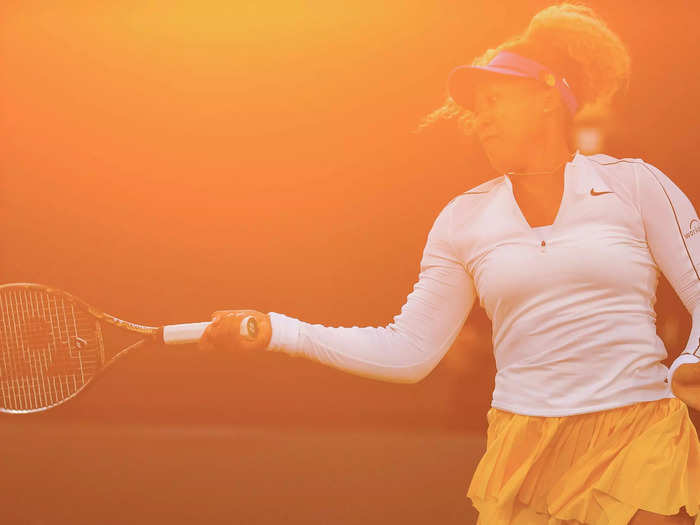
(563, 251)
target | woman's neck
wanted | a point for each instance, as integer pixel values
(543, 168)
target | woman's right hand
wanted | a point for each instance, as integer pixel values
(686, 384)
(224, 332)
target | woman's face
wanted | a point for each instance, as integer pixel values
(510, 119)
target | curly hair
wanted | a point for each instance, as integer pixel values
(572, 40)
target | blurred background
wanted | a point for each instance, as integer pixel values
(162, 160)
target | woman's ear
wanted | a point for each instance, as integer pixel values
(551, 100)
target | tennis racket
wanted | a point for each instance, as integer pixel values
(52, 344)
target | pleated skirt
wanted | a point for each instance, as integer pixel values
(597, 468)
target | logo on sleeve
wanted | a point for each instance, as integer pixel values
(693, 228)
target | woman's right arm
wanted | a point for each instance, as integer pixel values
(408, 349)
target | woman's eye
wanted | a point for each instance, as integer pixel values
(488, 99)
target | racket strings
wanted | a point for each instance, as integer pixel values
(49, 348)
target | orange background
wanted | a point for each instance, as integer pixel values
(162, 160)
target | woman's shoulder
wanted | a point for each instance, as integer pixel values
(476, 193)
(613, 165)
(472, 200)
(621, 173)
(619, 166)
(484, 187)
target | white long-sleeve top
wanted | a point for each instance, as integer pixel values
(572, 305)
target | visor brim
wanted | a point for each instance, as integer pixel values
(463, 79)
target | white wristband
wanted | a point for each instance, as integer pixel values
(681, 360)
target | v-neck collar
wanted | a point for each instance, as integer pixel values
(581, 175)
(567, 184)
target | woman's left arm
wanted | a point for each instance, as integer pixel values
(673, 235)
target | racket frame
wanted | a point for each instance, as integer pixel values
(168, 334)
(152, 334)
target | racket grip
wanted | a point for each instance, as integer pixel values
(176, 334)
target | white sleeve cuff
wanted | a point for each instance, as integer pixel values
(285, 333)
(681, 360)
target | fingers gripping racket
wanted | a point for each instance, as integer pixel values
(52, 344)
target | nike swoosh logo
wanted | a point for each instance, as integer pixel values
(593, 192)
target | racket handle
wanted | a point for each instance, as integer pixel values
(177, 334)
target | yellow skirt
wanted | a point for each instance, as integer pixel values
(596, 468)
